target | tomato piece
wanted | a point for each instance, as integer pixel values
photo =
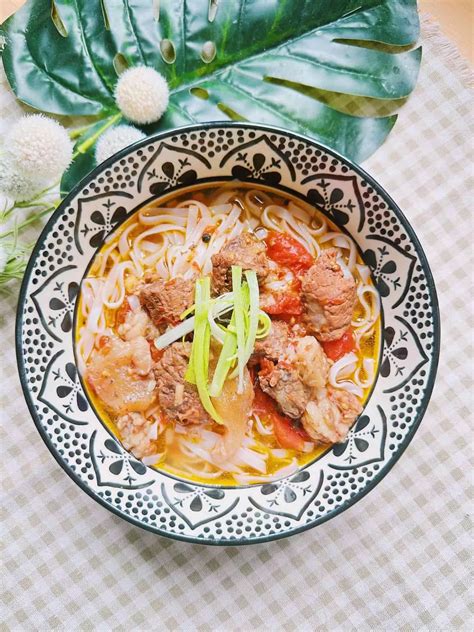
(122, 311)
(266, 366)
(289, 433)
(103, 342)
(285, 304)
(335, 349)
(288, 252)
(156, 354)
(263, 404)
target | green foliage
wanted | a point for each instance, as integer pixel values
(270, 61)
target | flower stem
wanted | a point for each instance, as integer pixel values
(30, 220)
(75, 133)
(87, 144)
(38, 196)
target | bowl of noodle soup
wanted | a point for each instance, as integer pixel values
(239, 333)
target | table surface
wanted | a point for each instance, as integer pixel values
(456, 18)
(398, 560)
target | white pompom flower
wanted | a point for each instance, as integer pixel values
(115, 139)
(18, 184)
(41, 145)
(142, 94)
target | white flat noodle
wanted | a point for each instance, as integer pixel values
(162, 218)
(123, 242)
(193, 449)
(254, 207)
(251, 224)
(364, 272)
(220, 209)
(192, 221)
(299, 212)
(261, 427)
(104, 258)
(371, 311)
(343, 368)
(114, 289)
(172, 211)
(368, 365)
(236, 230)
(343, 241)
(203, 209)
(87, 298)
(223, 196)
(201, 474)
(245, 456)
(150, 246)
(167, 229)
(231, 218)
(268, 221)
(198, 232)
(134, 302)
(85, 345)
(162, 270)
(138, 265)
(172, 245)
(153, 430)
(345, 270)
(279, 453)
(247, 479)
(152, 459)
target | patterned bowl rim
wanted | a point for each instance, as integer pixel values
(400, 216)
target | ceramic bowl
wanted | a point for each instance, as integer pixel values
(170, 162)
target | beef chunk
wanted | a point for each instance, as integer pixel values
(246, 251)
(178, 399)
(275, 346)
(328, 298)
(285, 386)
(166, 301)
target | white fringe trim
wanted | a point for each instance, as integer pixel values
(431, 30)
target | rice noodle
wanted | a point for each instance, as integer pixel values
(261, 427)
(342, 369)
(152, 459)
(368, 365)
(345, 242)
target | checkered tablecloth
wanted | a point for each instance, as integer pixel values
(397, 560)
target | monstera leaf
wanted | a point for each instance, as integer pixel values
(266, 61)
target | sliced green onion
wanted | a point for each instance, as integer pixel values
(190, 375)
(220, 307)
(175, 333)
(186, 312)
(218, 331)
(264, 325)
(225, 361)
(239, 324)
(253, 313)
(200, 348)
(247, 324)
